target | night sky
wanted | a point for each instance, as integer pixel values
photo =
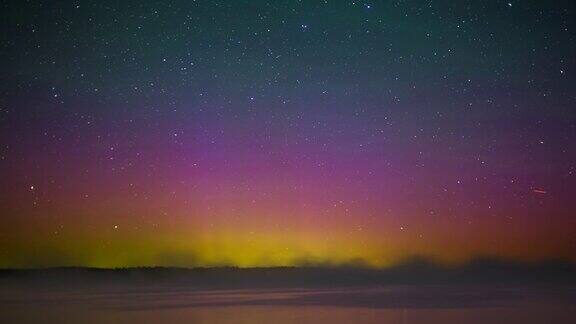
(273, 133)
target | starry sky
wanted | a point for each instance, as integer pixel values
(282, 133)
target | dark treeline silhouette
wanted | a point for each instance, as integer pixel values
(416, 271)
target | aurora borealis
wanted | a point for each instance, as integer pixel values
(280, 133)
